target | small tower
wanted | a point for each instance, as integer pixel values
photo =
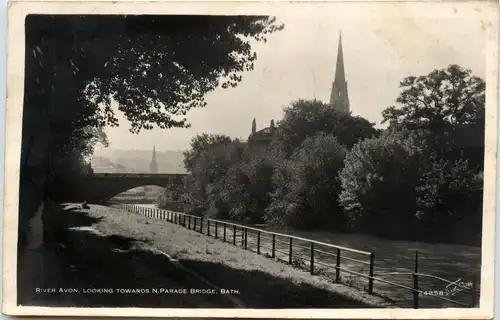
(153, 166)
(254, 126)
(339, 98)
(271, 125)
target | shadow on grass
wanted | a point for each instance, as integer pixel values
(116, 271)
(262, 290)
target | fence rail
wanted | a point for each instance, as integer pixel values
(305, 253)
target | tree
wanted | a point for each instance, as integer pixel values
(379, 182)
(247, 186)
(200, 144)
(305, 118)
(155, 67)
(396, 186)
(307, 186)
(449, 198)
(441, 99)
(210, 157)
(449, 104)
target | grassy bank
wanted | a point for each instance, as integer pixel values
(260, 282)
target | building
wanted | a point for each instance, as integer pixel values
(153, 166)
(261, 138)
(339, 100)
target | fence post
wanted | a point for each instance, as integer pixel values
(189, 222)
(370, 280)
(337, 267)
(234, 235)
(273, 251)
(311, 264)
(208, 227)
(225, 226)
(290, 252)
(415, 283)
(246, 238)
(201, 225)
(258, 242)
(216, 229)
(242, 237)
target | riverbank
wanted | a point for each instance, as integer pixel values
(260, 282)
(395, 261)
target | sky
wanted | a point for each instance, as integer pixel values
(382, 44)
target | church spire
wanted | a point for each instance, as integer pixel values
(339, 69)
(153, 167)
(339, 98)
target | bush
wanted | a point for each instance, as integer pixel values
(397, 187)
(449, 198)
(379, 184)
(307, 186)
(247, 186)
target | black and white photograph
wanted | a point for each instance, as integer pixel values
(246, 159)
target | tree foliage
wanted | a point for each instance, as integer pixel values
(208, 161)
(156, 67)
(379, 180)
(307, 185)
(439, 100)
(247, 187)
(305, 118)
(449, 105)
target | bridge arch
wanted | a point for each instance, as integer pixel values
(98, 188)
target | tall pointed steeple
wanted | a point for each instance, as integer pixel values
(339, 69)
(254, 126)
(153, 167)
(339, 98)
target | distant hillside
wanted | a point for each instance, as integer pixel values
(138, 160)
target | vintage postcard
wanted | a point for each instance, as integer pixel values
(251, 159)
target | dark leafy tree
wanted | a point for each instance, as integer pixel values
(247, 187)
(201, 144)
(305, 118)
(449, 197)
(155, 67)
(379, 181)
(449, 104)
(307, 186)
(208, 161)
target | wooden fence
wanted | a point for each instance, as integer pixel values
(317, 257)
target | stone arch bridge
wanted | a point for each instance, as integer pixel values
(100, 187)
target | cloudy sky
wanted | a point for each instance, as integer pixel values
(383, 43)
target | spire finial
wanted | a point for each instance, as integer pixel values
(254, 126)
